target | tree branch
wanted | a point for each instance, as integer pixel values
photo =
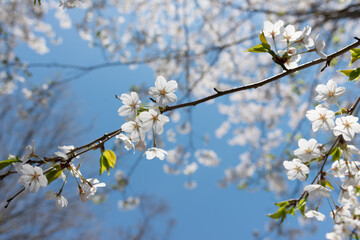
(266, 81)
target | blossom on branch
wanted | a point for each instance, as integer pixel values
(153, 119)
(155, 152)
(131, 105)
(88, 188)
(319, 47)
(31, 177)
(329, 92)
(164, 91)
(272, 30)
(296, 169)
(347, 126)
(307, 149)
(135, 128)
(321, 117)
(60, 201)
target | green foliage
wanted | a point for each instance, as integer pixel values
(325, 183)
(288, 207)
(336, 154)
(355, 55)
(39, 2)
(353, 74)
(259, 48)
(5, 163)
(107, 160)
(53, 174)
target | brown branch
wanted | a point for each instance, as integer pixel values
(265, 81)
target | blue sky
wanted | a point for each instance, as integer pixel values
(208, 212)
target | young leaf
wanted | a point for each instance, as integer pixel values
(336, 154)
(301, 206)
(5, 163)
(107, 160)
(53, 174)
(353, 74)
(262, 38)
(264, 47)
(355, 55)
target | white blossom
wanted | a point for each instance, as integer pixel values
(272, 30)
(347, 126)
(164, 91)
(321, 117)
(305, 38)
(31, 177)
(319, 47)
(29, 152)
(60, 201)
(153, 119)
(315, 214)
(88, 188)
(329, 92)
(135, 128)
(296, 169)
(317, 190)
(128, 144)
(131, 105)
(190, 185)
(307, 149)
(290, 35)
(155, 152)
(64, 151)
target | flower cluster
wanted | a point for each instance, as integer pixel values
(290, 39)
(343, 126)
(143, 119)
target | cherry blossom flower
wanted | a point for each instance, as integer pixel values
(290, 35)
(88, 188)
(64, 151)
(339, 168)
(128, 144)
(347, 126)
(341, 213)
(155, 152)
(321, 117)
(207, 157)
(348, 150)
(29, 152)
(272, 30)
(164, 91)
(319, 47)
(315, 214)
(292, 62)
(131, 105)
(307, 149)
(296, 169)
(60, 201)
(31, 177)
(191, 168)
(305, 38)
(135, 128)
(317, 190)
(329, 92)
(153, 119)
(170, 170)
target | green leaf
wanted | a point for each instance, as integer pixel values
(5, 163)
(355, 55)
(262, 38)
(326, 183)
(301, 206)
(291, 211)
(264, 47)
(53, 174)
(282, 204)
(336, 154)
(107, 160)
(281, 213)
(353, 74)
